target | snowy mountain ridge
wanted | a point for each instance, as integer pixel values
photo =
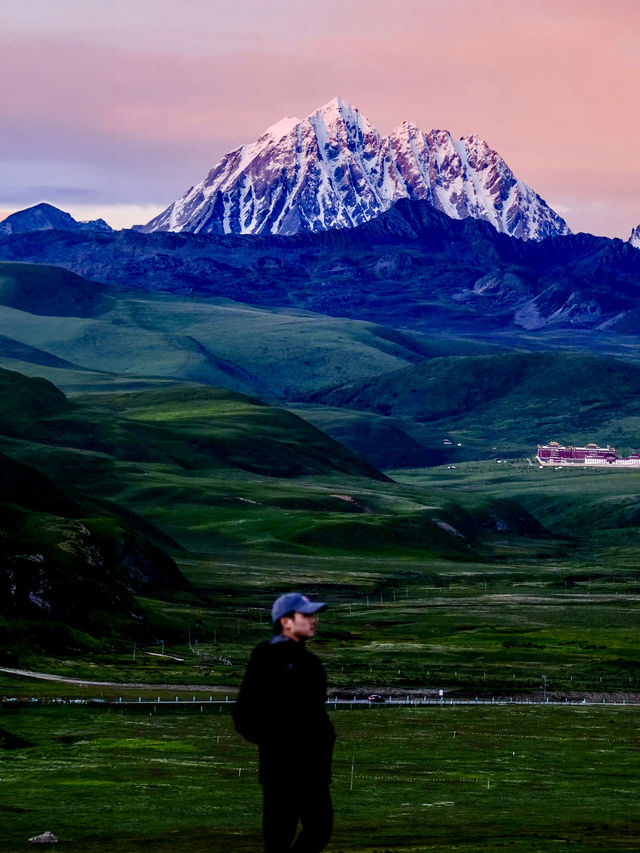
(334, 169)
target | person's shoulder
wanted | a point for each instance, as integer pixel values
(261, 650)
(313, 657)
(267, 654)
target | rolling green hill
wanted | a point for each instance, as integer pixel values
(71, 558)
(504, 404)
(85, 336)
(395, 398)
(188, 427)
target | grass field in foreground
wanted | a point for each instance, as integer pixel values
(434, 779)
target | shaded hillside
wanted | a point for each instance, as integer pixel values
(28, 404)
(201, 427)
(212, 427)
(81, 572)
(51, 291)
(68, 575)
(25, 487)
(516, 399)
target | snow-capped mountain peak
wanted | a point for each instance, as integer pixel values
(635, 237)
(334, 169)
(279, 129)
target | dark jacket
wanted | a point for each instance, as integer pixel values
(281, 707)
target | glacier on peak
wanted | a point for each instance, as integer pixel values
(333, 169)
(280, 128)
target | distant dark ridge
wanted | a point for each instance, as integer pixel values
(411, 267)
(406, 221)
(46, 217)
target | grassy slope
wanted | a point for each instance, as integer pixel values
(367, 391)
(62, 325)
(215, 472)
(172, 455)
(584, 503)
(513, 400)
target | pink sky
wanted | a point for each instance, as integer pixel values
(115, 108)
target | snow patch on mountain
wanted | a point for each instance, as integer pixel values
(334, 169)
(635, 237)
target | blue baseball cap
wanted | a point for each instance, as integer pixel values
(294, 602)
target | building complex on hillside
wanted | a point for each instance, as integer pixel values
(557, 454)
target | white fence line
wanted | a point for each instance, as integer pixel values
(336, 704)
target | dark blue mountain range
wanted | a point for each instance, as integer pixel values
(412, 267)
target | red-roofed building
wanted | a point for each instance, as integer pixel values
(555, 453)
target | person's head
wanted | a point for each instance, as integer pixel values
(294, 616)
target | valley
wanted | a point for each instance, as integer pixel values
(172, 459)
(475, 579)
(214, 451)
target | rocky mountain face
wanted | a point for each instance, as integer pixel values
(57, 565)
(46, 217)
(635, 237)
(66, 556)
(411, 267)
(334, 169)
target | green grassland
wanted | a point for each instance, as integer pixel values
(506, 403)
(490, 579)
(405, 779)
(83, 335)
(478, 579)
(389, 395)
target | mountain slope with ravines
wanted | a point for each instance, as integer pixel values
(334, 169)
